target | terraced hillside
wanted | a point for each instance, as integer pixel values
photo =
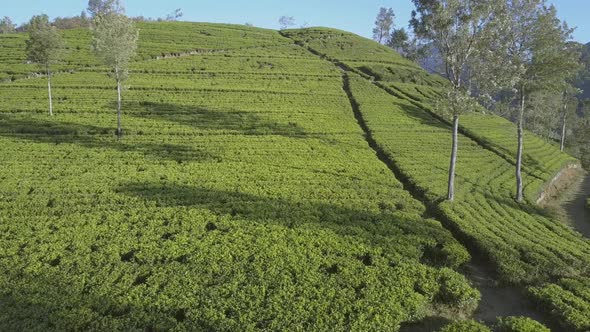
(406, 80)
(524, 245)
(242, 196)
(157, 41)
(253, 189)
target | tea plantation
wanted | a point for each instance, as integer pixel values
(265, 181)
(525, 246)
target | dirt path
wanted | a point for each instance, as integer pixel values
(574, 203)
(571, 208)
(496, 301)
(500, 300)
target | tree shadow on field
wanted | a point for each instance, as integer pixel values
(511, 203)
(63, 296)
(89, 136)
(423, 117)
(228, 121)
(392, 227)
(427, 324)
(530, 165)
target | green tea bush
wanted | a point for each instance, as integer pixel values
(453, 291)
(567, 300)
(542, 158)
(520, 324)
(345, 46)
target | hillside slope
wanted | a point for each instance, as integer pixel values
(242, 196)
(247, 194)
(525, 246)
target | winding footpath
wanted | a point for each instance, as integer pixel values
(573, 205)
(570, 206)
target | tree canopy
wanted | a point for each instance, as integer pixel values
(383, 25)
(45, 45)
(115, 40)
(460, 31)
(286, 22)
(6, 25)
(103, 7)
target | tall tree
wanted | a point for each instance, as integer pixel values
(460, 30)
(383, 25)
(175, 15)
(6, 25)
(568, 100)
(399, 39)
(408, 47)
(573, 54)
(580, 141)
(115, 41)
(104, 7)
(44, 47)
(536, 57)
(286, 22)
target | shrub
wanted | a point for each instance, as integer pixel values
(455, 291)
(520, 324)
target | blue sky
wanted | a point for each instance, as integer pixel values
(352, 15)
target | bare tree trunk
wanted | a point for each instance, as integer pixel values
(49, 91)
(519, 194)
(119, 129)
(563, 118)
(451, 191)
